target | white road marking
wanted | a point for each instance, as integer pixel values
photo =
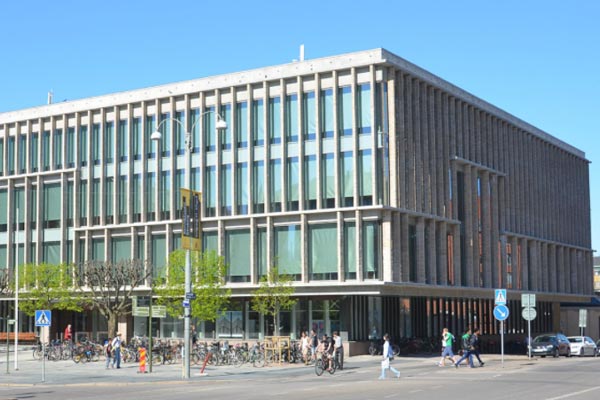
(565, 396)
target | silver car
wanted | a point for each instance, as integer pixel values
(582, 346)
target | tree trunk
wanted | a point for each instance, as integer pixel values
(112, 325)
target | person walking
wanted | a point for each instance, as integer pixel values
(476, 345)
(388, 355)
(338, 349)
(304, 346)
(466, 348)
(68, 335)
(116, 348)
(108, 352)
(314, 343)
(447, 342)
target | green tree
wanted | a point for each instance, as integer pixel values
(5, 283)
(47, 287)
(208, 272)
(274, 294)
(108, 287)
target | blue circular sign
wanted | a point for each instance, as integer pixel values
(501, 312)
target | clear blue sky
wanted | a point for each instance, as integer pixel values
(538, 60)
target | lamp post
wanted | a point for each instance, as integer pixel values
(156, 135)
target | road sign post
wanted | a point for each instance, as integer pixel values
(501, 313)
(43, 318)
(582, 320)
(529, 314)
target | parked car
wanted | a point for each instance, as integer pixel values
(551, 344)
(582, 346)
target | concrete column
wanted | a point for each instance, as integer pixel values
(404, 248)
(560, 269)
(387, 247)
(418, 135)
(431, 268)
(525, 263)
(544, 267)
(552, 268)
(442, 251)
(469, 279)
(486, 219)
(459, 280)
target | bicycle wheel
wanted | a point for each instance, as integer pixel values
(37, 354)
(319, 367)
(333, 367)
(259, 359)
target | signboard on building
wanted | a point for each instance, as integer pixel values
(191, 229)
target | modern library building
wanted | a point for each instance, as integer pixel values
(397, 201)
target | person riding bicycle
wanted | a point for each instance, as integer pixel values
(328, 349)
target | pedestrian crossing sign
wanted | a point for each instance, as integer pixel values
(43, 317)
(500, 297)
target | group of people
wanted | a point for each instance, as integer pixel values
(112, 351)
(470, 346)
(331, 347)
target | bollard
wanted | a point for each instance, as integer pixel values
(208, 355)
(142, 351)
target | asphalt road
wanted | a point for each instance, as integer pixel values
(516, 378)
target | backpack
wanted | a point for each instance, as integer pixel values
(466, 341)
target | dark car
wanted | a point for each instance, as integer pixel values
(551, 344)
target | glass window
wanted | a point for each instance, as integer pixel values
(210, 191)
(3, 254)
(52, 198)
(180, 133)
(261, 252)
(10, 157)
(70, 147)
(226, 133)
(345, 110)
(275, 120)
(365, 178)
(95, 144)
(196, 179)
(179, 184)
(141, 248)
(241, 182)
(83, 145)
(33, 207)
(237, 244)
(137, 197)
(150, 144)
(195, 129)
(136, 138)
(258, 186)
(159, 255)
(371, 249)
(165, 195)
(165, 130)
(123, 140)
(150, 191)
(121, 249)
(310, 182)
(327, 113)
(210, 134)
(328, 180)
(258, 123)
(226, 193)
(241, 124)
(210, 241)
(98, 250)
(3, 211)
(109, 142)
(323, 255)
(22, 152)
(45, 150)
(275, 184)
(364, 108)
(292, 180)
(83, 196)
(1, 156)
(108, 197)
(70, 202)
(309, 120)
(50, 252)
(350, 250)
(287, 250)
(291, 117)
(122, 196)
(33, 152)
(347, 169)
(19, 205)
(96, 197)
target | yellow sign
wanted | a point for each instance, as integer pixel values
(191, 228)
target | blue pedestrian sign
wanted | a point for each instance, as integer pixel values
(501, 312)
(500, 297)
(43, 317)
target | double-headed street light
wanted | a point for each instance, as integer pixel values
(157, 136)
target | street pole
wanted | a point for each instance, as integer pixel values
(502, 341)
(16, 329)
(188, 265)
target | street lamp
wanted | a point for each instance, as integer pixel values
(156, 135)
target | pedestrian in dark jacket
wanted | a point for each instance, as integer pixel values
(476, 343)
(467, 348)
